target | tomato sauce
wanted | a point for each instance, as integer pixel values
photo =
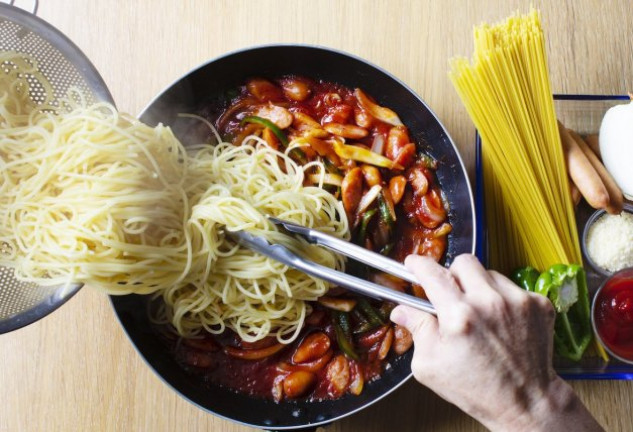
(613, 314)
(207, 358)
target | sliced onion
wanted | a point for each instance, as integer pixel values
(368, 198)
(378, 145)
(327, 178)
(381, 113)
(336, 303)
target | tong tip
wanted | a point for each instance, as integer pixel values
(290, 226)
(275, 220)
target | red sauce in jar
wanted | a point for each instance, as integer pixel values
(613, 314)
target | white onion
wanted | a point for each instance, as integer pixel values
(378, 145)
(368, 198)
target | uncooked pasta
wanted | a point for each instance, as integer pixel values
(506, 90)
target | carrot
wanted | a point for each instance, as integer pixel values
(582, 173)
(594, 143)
(616, 199)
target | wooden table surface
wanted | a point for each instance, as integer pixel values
(76, 370)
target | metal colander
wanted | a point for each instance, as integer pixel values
(65, 66)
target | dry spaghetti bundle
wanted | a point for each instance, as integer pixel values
(507, 93)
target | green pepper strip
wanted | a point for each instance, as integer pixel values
(268, 124)
(385, 214)
(566, 287)
(295, 153)
(370, 313)
(526, 278)
(362, 232)
(330, 167)
(344, 322)
(363, 324)
(343, 334)
(298, 155)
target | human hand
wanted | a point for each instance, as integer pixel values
(489, 350)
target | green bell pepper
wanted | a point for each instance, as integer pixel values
(362, 325)
(296, 153)
(526, 278)
(343, 330)
(362, 232)
(372, 316)
(385, 212)
(562, 285)
(281, 136)
(566, 287)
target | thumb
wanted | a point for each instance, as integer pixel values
(423, 326)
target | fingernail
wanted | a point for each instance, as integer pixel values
(398, 316)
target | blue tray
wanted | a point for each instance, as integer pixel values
(582, 113)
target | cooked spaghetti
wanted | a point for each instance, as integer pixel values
(229, 285)
(17, 73)
(94, 196)
(507, 93)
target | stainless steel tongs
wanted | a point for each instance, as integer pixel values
(281, 253)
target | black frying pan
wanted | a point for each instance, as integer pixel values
(203, 91)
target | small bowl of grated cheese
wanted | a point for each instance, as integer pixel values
(608, 240)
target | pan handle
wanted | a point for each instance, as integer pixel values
(33, 10)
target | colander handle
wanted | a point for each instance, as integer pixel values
(33, 10)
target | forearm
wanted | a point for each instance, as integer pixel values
(556, 409)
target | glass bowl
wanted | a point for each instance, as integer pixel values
(620, 322)
(628, 207)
